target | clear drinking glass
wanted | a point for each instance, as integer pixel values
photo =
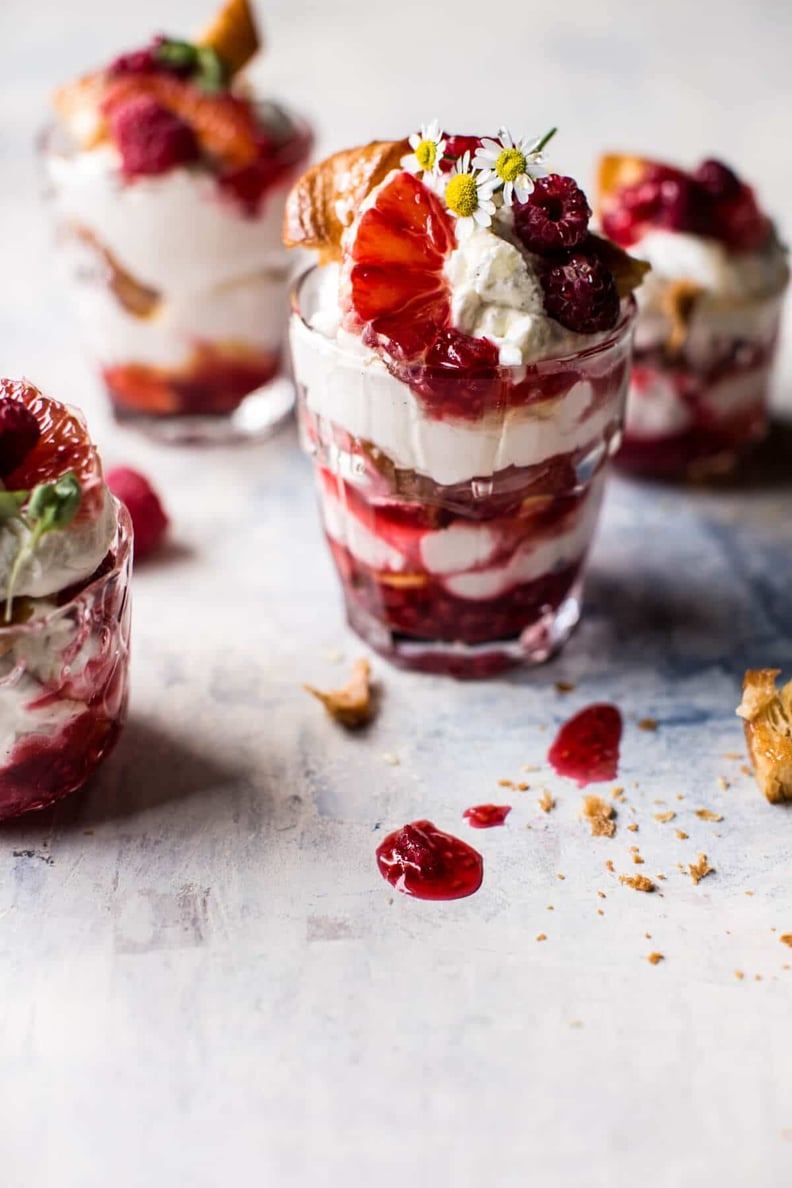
(694, 411)
(64, 685)
(181, 285)
(459, 507)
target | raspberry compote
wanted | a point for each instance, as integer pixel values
(64, 683)
(168, 183)
(459, 503)
(708, 313)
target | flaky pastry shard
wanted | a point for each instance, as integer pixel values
(325, 200)
(617, 170)
(233, 35)
(767, 713)
(354, 705)
(679, 302)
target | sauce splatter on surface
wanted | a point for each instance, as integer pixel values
(586, 748)
(484, 816)
(421, 860)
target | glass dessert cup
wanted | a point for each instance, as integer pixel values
(181, 288)
(694, 412)
(459, 506)
(64, 684)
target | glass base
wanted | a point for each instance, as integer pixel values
(536, 644)
(257, 416)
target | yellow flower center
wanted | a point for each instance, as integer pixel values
(426, 154)
(461, 195)
(510, 164)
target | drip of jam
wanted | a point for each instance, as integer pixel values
(421, 860)
(484, 816)
(586, 748)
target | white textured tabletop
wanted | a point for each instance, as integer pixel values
(203, 979)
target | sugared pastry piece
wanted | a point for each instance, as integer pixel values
(767, 713)
(65, 549)
(708, 312)
(461, 358)
(169, 179)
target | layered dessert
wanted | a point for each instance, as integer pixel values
(65, 552)
(461, 356)
(169, 180)
(708, 313)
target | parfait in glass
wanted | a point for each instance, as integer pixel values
(65, 558)
(168, 180)
(709, 313)
(461, 357)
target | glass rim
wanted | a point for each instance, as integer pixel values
(121, 546)
(620, 333)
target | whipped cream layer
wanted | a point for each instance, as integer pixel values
(740, 291)
(348, 384)
(176, 233)
(471, 560)
(62, 558)
(657, 408)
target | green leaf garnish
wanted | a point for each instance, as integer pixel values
(211, 74)
(48, 507)
(176, 53)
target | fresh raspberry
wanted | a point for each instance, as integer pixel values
(148, 515)
(717, 179)
(581, 294)
(137, 62)
(19, 433)
(150, 138)
(555, 217)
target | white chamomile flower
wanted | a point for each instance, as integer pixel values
(511, 164)
(469, 195)
(427, 147)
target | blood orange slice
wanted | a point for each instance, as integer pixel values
(397, 288)
(64, 445)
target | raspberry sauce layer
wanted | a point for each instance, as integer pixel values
(214, 384)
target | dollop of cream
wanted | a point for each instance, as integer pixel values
(725, 276)
(61, 558)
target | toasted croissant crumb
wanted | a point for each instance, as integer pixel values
(522, 787)
(633, 828)
(649, 724)
(352, 706)
(681, 835)
(708, 815)
(602, 895)
(700, 869)
(617, 793)
(599, 814)
(767, 713)
(723, 783)
(638, 860)
(546, 802)
(542, 936)
(663, 817)
(786, 939)
(738, 973)
(609, 866)
(655, 958)
(324, 201)
(637, 882)
(564, 687)
(505, 783)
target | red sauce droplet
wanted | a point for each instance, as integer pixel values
(484, 816)
(421, 860)
(586, 748)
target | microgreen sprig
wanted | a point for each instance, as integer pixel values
(201, 63)
(45, 508)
